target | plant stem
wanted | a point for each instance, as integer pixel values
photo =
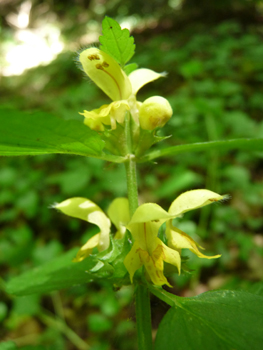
(142, 296)
(130, 167)
(143, 317)
(132, 189)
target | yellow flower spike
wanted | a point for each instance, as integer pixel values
(85, 209)
(154, 112)
(119, 214)
(106, 73)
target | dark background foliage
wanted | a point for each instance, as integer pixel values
(213, 53)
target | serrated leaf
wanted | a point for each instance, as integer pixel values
(116, 42)
(23, 133)
(214, 320)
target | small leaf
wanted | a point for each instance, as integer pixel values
(130, 68)
(145, 140)
(24, 133)
(116, 42)
(213, 320)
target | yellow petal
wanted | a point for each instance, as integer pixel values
(132, 261)
(118, 110)
(106, 73)
(150, 212)
(94, 124)
(192, 200)
(145, 224)
(178, 239)
(154, 266)
(171, 256)
(101, 114)
(85, 209)
(108, 114)
(141, 77)
(119, 214)
(86, 249)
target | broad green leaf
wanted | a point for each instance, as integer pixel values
(57, 274)
(24, 133)
(62, 273)
(116, 42)
(218, 320)
(225, 145)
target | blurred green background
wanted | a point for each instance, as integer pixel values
(213, 52)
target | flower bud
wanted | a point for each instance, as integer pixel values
(154, 112)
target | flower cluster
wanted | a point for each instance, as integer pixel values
(147, 250)
(107, 74)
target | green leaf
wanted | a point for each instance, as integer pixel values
(62, 273)
(221, 146)
(8, 345)
(214, 320)
(145, 140)
(116, 42)
(57, 274)
(23, 133)
(130, 68)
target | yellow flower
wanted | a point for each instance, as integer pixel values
(121, 89)
(187, 201)
(149, 250)
(85, 209)
(154, 112)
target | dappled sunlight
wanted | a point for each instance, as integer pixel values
(30, 47)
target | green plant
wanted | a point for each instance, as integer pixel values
(115, 134)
